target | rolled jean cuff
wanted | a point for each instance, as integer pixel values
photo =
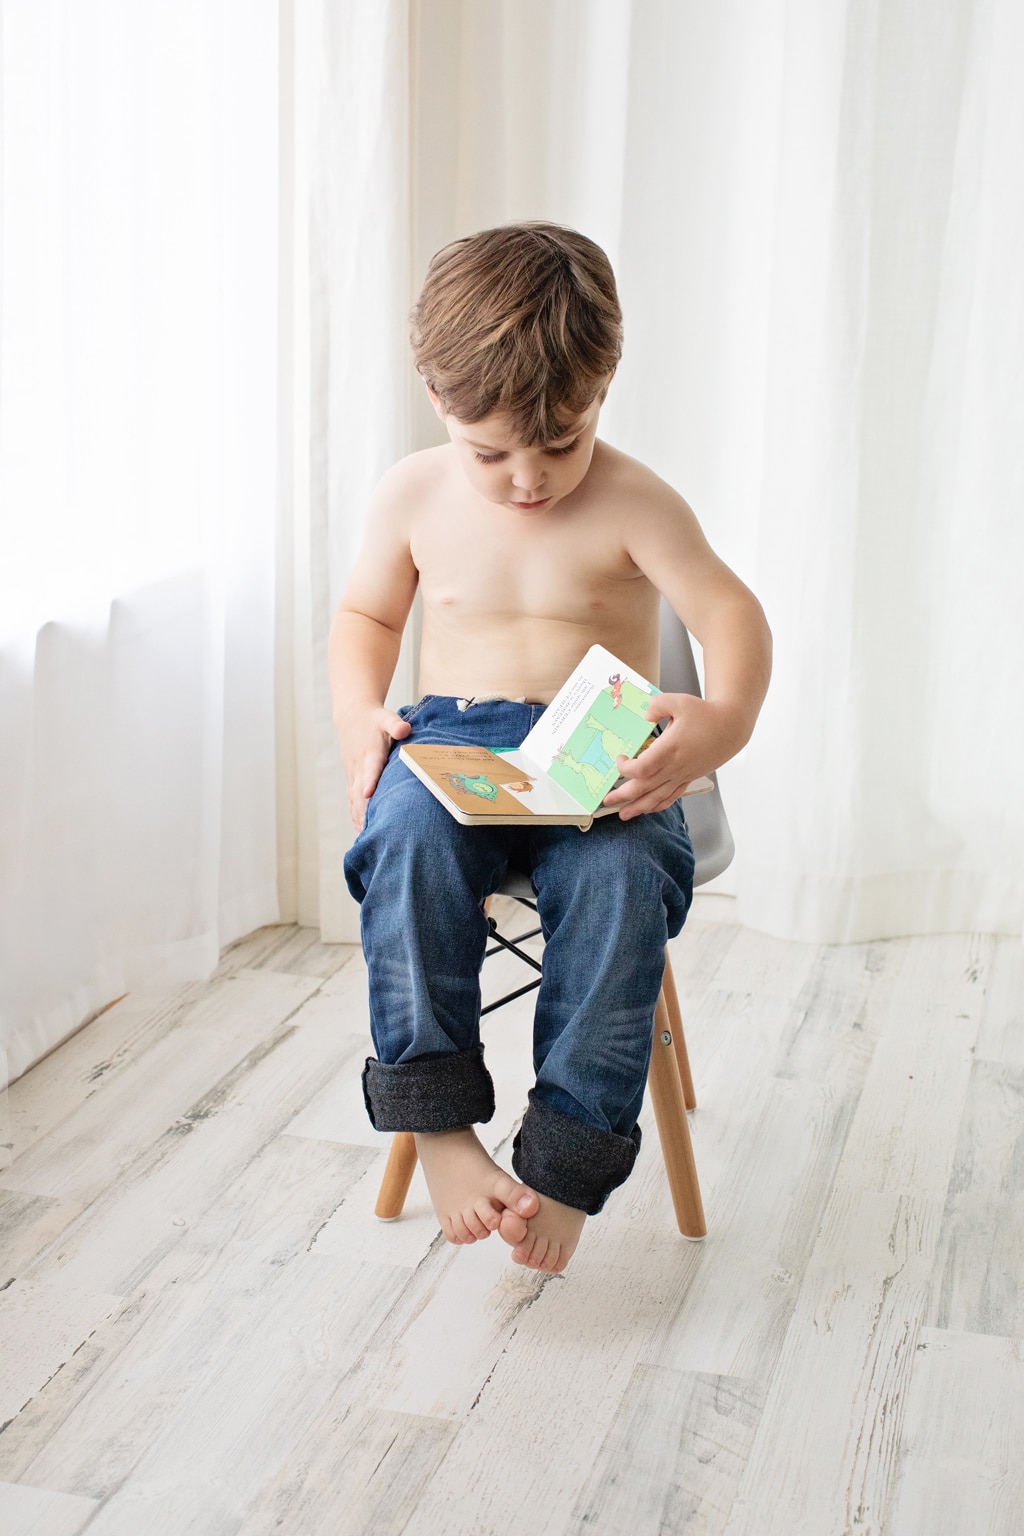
(433, 1093)
(568, 1161)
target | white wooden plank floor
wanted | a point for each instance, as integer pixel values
(204, 1329)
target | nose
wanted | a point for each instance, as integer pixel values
(528, 476)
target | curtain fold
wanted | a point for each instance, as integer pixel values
(816, 215)
(348, 417)
(890, 737)
(137, 517)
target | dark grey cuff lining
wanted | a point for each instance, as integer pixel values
(435, 1093)
(571, 1162)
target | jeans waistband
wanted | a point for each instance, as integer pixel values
(490, 722)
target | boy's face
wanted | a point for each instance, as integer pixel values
(529, 481)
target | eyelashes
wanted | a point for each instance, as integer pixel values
(558, 453)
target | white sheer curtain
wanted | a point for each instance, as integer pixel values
(816, 213)
(346, 392)
(137, 509)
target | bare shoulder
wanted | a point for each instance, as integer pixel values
(645, 501)
(662, 537)
(407, 485)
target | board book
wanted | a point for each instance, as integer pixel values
(564, 767)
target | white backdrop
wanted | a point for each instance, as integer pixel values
(138, 338)
(816, 212)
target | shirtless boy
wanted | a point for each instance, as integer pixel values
(529, 539)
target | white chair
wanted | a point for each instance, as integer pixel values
(670, 1081)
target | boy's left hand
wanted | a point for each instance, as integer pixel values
(698, 738)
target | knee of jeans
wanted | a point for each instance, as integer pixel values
(648, 873)
(411, 843)
(407, 830)
(623, 855)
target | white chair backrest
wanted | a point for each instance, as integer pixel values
(713, 846)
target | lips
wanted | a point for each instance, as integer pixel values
(529, 506)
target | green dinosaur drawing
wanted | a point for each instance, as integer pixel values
(592, 776)
(472, 784)
(612, 743)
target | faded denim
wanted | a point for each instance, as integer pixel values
(608, 900)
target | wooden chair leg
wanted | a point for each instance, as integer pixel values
(670, 1113)
(394, 1186)
(671, 1086)
(668, 987)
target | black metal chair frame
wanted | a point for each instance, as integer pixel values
(513, 946)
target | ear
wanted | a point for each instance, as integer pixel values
(437, 404)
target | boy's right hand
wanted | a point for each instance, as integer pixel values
(366, 739)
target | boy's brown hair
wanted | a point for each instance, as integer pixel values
(522, 319)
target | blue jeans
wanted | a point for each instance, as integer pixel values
(608, 900)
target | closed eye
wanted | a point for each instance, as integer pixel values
(495, 458)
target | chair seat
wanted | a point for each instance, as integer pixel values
(517, 885)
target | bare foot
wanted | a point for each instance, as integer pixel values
(470, 1194)
(551, 1236)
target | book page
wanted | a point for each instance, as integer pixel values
(538, 791)
(482, 783)
(472, 778)
(597, 714)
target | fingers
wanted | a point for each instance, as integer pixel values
(366, 743)
(658, 799)
(397, 728)
(643, 790)
(640, 775)
(362, 784)
(367, 776)
(649, 803)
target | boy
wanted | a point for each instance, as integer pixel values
(529, 540)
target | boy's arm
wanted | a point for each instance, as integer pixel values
(364, 643)
(727, 621)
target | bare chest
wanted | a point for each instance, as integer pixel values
(561, 571)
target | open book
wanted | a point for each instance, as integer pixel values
(565, 766)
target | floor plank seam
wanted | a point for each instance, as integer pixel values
(52, 1377)
(822, 1378)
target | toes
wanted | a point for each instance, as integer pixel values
(471, 1226)
(516, 1197)
(488, 1216)
(531, 1254)
(456, 1230)
(475, 1225)
(521, 1252)
(512, 1228)
(553, 1262)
